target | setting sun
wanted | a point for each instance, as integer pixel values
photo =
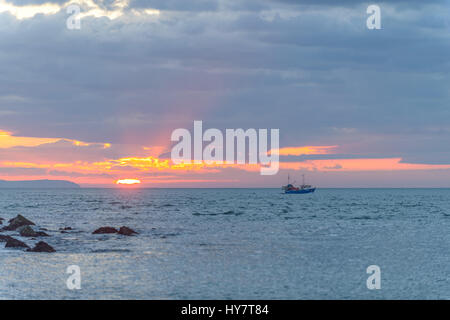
(128, 181)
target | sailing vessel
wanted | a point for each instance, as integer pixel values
(303, 188)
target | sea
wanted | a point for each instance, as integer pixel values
(231, 244)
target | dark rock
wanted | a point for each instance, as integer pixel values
(14, 243)
(5, 238)
(126, 231)
(1, 220)
(18, 222)
(42, 246)
(27, 231)
(41, 234)
(104, 230)
(65, 229)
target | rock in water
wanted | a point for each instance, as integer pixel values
(27, 231)
(5, 238)
(14, 243)
(18, 222)
(104, 230)
(126, 231)
(1, 220)
(42, 246)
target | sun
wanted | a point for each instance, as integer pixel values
(128, 182)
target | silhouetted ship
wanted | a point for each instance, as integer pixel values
(303, 188)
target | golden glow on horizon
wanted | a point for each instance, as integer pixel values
(142, 163)
(298, 151)
(92, 163)
(126, 165)
(128, 181)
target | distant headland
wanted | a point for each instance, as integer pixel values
(41, 184)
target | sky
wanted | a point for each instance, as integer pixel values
(355, 107)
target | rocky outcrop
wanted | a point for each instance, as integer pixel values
(126, 231)
(108, 230)
(5, 238)
(42, 246)
(27, 231)
(105, 230)
(14, 243)
(18, 222)
(23, 226)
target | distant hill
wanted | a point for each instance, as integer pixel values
(38, 184)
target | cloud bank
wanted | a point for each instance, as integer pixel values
(136, 70)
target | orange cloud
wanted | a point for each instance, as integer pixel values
(141, 163)
(103, 163)
(127, 165)
(7, 140)
(9, 164)
(385, 164)
(298, 151)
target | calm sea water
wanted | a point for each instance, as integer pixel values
(232, 244)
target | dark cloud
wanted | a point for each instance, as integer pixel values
(34, 2)
(175, 5)
(312, 72)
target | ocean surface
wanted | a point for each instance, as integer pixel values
(232, 244)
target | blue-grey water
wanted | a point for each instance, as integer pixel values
(232, 244)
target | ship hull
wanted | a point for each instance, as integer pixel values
(300, 191)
